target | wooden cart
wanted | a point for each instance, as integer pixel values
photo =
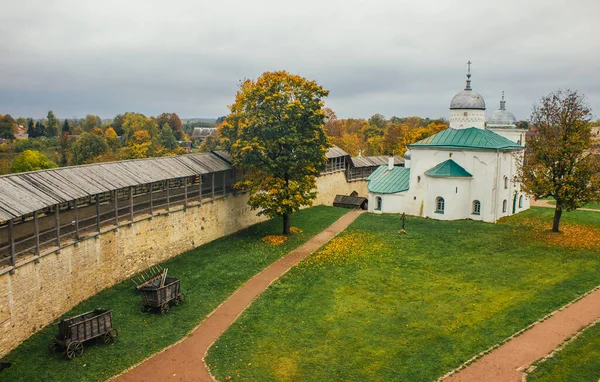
(72, 332)
(156, 296)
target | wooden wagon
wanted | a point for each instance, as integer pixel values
(158, 293)
(72, 332)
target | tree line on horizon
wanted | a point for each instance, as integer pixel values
(53, 142)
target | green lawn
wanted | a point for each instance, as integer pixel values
(375, 305)
(579, 361)
(209, 274)
(592, 205)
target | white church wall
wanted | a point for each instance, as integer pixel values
(489, 168)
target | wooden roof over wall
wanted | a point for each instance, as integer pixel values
(24, 193)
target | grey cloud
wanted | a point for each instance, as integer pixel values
(390, 57)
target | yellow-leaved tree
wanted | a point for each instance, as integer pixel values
(275, 134)
(558, 161)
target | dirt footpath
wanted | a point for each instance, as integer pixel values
(185, 360)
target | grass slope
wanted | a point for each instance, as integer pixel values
(579, 361)
(376, 305)
(209, 274)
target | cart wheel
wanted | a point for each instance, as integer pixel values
(179, 300)
(74, 349)
(53, 347)
(164, 308)
(143, 308)
(109, 337)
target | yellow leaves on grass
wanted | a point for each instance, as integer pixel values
(274, 239)
(295, 230)
(345, 248)
(570, 235)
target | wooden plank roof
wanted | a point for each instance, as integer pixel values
(375, 161)
(335, 152)
(24, 193)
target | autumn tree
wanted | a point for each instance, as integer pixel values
(87, 147)
(90, 122)
(275, 134)
(174, 122)
(558, 163)
(31, 160)
(133, 122)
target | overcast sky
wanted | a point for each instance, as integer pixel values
(393, 57)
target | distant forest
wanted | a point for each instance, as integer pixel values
(54, 142)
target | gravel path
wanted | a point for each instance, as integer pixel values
(509, 361)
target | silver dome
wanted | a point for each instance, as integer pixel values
(502, 118)
(407, 155)
(467, 99)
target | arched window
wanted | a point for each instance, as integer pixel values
(521, 201)
(476, 207)
(505, 182)
(378, 203)
(504, 205)
(439, 205)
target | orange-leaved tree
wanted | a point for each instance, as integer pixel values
(275, 134)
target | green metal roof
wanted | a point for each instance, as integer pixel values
(471, 138)
(448, 169)
(384, 181)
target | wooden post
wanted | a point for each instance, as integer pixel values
(11, 241)
(97, 213)
(76, 221)
(168, 194)
(151, 190)
(185, 192)
(36, 225)
(200, 185)
(116, 210)
(57, 223)
(131, 205)
(213, 186)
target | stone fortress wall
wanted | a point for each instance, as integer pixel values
(40, 291)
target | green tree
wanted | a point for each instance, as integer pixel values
(275, 134)
(31, 128)
(53, 124)
(87, 147)
(31, 160)
(117, 124)
(7, 126)
(39, 130)
(65, 127)
(166, 138)
(558, 163)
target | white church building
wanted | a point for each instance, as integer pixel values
(468, 171)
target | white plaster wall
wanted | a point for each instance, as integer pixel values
(515, 135)
(465, 118)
